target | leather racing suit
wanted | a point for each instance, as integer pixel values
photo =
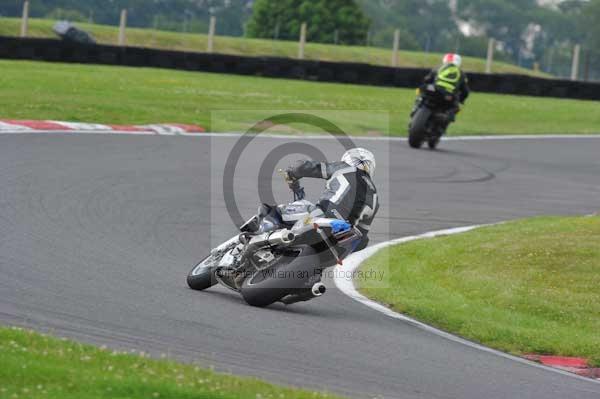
(349, 195)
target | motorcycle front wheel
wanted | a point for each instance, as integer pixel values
(259, 290)
(202, 276)
(433, 143)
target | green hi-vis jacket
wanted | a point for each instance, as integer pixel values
(450, 78)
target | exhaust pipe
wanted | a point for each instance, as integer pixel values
(281, 237)
(316, 291)
(285, 237)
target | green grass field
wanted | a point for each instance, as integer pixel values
(38, 366)
(529, 286)
(253, 47)
(103, 94)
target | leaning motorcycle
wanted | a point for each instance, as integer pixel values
(430, 117)
(278, 263)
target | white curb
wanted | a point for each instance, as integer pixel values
(346, 285)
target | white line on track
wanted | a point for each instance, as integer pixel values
(344, 283)
(324, 136)
(310, 136)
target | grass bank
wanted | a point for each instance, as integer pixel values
(529, 286)
(104, 94)
(253, 47)
(38, 366)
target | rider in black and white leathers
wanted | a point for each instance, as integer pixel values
(349, 193)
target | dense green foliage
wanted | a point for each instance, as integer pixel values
(142, 37)
(591, 19)
(328, 21)
(532, 33)
(527, 31)
(424, 25)
(178, 15)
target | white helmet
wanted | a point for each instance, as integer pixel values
(453, 59)
(361, 159)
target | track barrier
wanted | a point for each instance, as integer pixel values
(323, 71)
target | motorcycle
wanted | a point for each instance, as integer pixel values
(430, 117)
(278, 263)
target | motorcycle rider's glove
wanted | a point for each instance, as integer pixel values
(294, 185)
(289, 179)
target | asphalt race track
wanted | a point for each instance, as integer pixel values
(98, 232)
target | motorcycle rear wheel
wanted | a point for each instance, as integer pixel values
(262, 292)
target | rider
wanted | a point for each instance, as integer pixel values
(349, 195)
(449, 78)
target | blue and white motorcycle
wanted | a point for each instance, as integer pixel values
(282, 261)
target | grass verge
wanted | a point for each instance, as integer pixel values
(106, 94)
(38, 366)
(529, 286)
(253, 47)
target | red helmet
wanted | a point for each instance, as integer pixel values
(453, 59)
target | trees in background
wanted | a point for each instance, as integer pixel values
(527, 32)
(531, 33)
(424, 25)
(328, 21)
(506, 21)
(177, 15)
(591, 25)
(591, 37)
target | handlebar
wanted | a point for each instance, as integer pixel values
(299, 194)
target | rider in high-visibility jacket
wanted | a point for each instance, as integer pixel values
(452, 80)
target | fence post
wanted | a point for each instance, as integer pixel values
(490, 55)
(395, 57)
(586, 66)
(302, 41)
(122, 27)
(210, 46)
(575, 65)
(25, 19)
(277, 28)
